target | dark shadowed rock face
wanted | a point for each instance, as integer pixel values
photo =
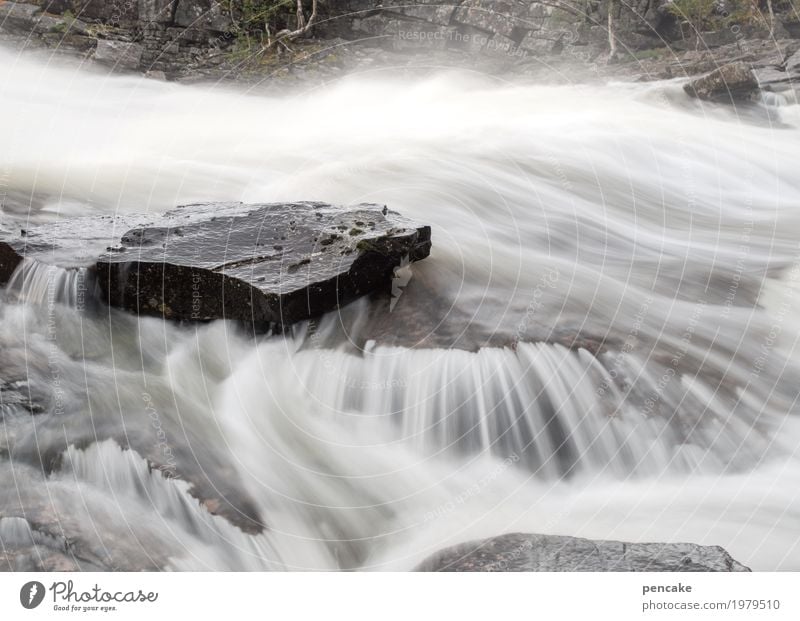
(729, 83)
(523, 552)
(265, 265)
(9, 260)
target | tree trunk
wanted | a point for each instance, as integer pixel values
(612, 39)
(771, 17)
(303, 25)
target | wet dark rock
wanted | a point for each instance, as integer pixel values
(30, 547)
(216, 485)
(524, 552)
(19, 395)
(264, 265)
(730, 83)
(67, 243)
(10, 258)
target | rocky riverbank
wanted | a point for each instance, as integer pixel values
(191, 40)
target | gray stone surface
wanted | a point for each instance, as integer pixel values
(258, 264)
(18, 18)
(730, 83)
(202, 14)
(156, 11)
(792, 65)
(195, 39)
(119, 54)
(121, 13)
(640, 25)
(525, 552)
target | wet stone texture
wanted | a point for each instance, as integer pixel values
(265, 265)
(9, 260)
(728, 84)
(524, 552)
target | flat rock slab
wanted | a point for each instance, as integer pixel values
(10, 258)
(524, 552)
(267, 265)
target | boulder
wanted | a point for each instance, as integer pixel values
(10, 258)
(730, 83)
(19, 18)
(524, 552)
(266, 265)
(772, 79)
(119, 54)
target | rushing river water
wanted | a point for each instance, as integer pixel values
(601, 343)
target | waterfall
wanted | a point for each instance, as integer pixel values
(556, 411)
(37, 283)
(601, 344)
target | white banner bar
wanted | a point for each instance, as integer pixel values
(401, 597)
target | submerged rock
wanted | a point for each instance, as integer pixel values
(524, 552)
(272, 264)
(29, 547)
(18, 395)
(10, 258)
(732, 82)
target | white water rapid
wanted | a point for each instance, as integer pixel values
(601, 344)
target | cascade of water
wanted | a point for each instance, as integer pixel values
(655, 237)
(37, 283)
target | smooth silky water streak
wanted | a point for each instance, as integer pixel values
(37, 283)
(647, 229)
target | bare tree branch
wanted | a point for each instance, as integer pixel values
(771, 18)
(303, 25)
